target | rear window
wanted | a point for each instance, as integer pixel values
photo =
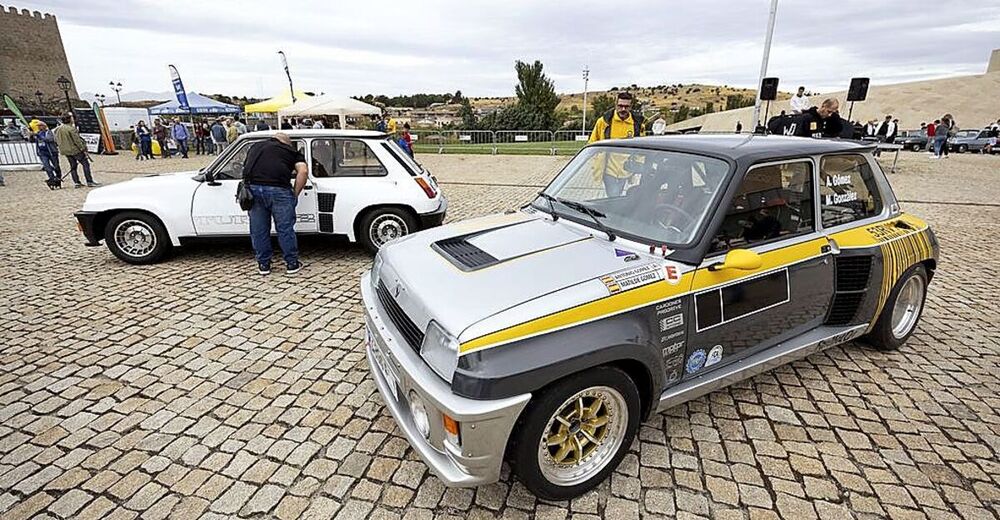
(847, 190)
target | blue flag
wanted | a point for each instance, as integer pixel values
(182, 98)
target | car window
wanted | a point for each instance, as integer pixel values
(847, 190)
(233, 167)
(773, 202)
(344, 158)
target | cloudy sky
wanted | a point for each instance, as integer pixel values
(228, 46)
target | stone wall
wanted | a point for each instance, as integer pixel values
(994, 65)
(32, 57)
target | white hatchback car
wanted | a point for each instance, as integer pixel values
(362, 185)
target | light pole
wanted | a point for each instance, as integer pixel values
(586, 79)
(763, 62)
(64, 85)
(100, 99)
(117, 87)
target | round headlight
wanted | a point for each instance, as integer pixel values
(419, 413)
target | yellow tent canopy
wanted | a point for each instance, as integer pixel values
(270, 106)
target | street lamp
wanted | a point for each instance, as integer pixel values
(117, 87)
(586, 79)
(100, 98)
(64, 85)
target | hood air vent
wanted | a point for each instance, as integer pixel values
(463, 254)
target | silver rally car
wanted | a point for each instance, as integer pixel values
(649, 272)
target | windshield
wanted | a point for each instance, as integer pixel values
(652, 196)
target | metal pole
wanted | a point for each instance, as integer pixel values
(284, 62)
(763, 62)
(586, 80)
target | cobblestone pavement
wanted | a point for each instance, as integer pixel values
(195, 388)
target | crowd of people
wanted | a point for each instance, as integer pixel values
(65, 141)
(175, 137)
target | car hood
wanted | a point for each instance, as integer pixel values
(533, 257)
(145, 186)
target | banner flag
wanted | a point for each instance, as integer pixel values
(13, 108)
(182, 98)
(109, 143)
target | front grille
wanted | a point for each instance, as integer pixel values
(853, 274)
(463, 254)
(413, 335)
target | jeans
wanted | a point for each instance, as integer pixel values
(220, 146)
(278, 204)
(85, 161)
(146, 147)
(199, 145)
(939, 144)
(50, 163)
(164, 151)
(613, 186)
(182, 147)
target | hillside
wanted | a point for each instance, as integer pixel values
(662, 97)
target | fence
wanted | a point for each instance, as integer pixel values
(19, 154)
(456, 141)
(526, 142)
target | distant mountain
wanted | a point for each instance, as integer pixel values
(138, 95)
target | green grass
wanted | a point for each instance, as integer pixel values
(536, 148)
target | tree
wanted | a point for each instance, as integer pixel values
(468, 115)
(536, 93)
(709, 107)
(734, 101)
(457, 98)
(600, 104)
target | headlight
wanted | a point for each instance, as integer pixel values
(419, 412)
(376, 268)
(440, 351)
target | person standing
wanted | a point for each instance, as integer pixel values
(617, 123)
(268, 173)
(218, 136)
(70, 144)
(948, 121)
(382, 124)
(406, 139)
(800, 101)
(739, 127)
(180, 135)
(48, 153)
(199, 137)
(931, 129)
(993, 133)
(241, 127)
(261, 126)
(941, 138)
(232, 131)
(160, 134)
(145, 138)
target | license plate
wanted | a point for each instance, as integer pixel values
(383, 366)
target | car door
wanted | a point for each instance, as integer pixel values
(740, 312)
(348, 176)
(214, 210)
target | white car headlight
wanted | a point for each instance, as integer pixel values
(440, 351)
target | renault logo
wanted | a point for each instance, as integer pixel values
(398, 290)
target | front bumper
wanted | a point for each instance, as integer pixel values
(436, 217)
(484, 425)
(85, 221)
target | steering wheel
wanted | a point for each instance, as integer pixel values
(664, 209)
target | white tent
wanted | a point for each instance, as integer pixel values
(328, 105)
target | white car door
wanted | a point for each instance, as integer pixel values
(214, 210)
(348, 175)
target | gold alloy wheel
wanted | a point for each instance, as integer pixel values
(583, 435)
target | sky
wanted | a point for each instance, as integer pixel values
(379, 47)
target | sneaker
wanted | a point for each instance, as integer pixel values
(93, 184)
(78, 185)
(264, 269)
(294, 268)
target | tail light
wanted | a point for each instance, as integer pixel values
(428, 189)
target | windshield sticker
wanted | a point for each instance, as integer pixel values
(714, 356)
(632, 277)
(628, 256)
(695, 361)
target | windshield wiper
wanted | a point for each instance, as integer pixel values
(582, 208)
(551, 200)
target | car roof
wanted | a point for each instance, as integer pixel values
(742, 147)
(320, 132)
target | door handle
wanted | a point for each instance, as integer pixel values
(307, 187)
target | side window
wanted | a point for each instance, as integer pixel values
(773, 201)
(322, 158)
(233, 167)
(356, 159)
(847, 190)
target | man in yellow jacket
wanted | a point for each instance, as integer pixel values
(619, 123)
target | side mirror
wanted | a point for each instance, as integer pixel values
(210, 179)
(742, 259)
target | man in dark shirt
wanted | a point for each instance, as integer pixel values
(268, 173)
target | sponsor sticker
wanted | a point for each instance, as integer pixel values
(668, 307)
(631, 278)
(628, 256)
(714, 356)
(672, 349)
(671, 322)
(672, 274)
(696, 361)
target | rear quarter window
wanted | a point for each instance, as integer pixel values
(847, 190)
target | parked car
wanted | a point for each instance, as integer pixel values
(361, 185)
(915, 140)
(969, 141)
(545, 336)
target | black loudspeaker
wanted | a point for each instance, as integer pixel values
(858, 90)
(769, 89)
